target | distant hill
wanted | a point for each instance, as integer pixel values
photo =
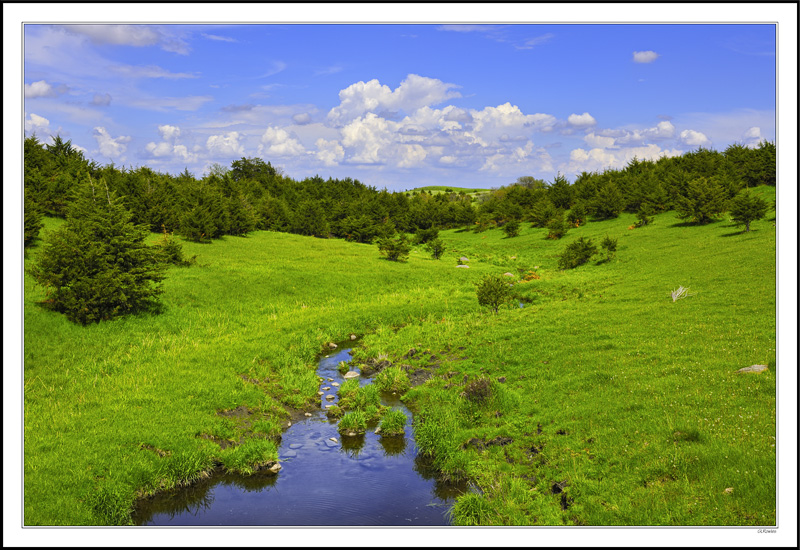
(436, 189)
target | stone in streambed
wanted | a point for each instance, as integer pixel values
(351, 374)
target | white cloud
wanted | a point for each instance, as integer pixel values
(601, 159)
(39, 89)
(372, 97)
(278, 142)
(110, 147)
(581, 121)
(131, 35)
(411, 155)
(448, 160)
(330, 153)
(169, 132)
(365, 136)
(225, 144)
(526, 158)
(598, 142)
(38, 125)
(647, 56)
(752, 137)
(693, 138)
(662, 130)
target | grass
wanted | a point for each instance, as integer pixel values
(600, 382)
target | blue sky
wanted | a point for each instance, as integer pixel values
(399, 106)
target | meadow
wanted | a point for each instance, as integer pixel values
(594, 399)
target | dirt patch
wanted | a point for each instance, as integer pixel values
(159, 452)
(239, 412)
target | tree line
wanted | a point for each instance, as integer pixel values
(98, 266)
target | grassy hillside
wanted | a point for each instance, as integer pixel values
(436, 189)
(616, 405)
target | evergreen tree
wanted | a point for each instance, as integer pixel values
(560, 193)
(607, 203)
(746, 208)
(703, 200)
(97, 265)
(33, 220)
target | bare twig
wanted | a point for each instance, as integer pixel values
(681, 292)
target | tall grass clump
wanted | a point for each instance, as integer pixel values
(393, 422)
(247, 458)
(353, 422)
(393, 379)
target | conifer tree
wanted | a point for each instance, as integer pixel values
(97, 265)
(703, 200)
(746, 208)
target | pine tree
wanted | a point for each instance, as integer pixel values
(97, 265)
(33, 219)
(746, 208)
(703, 200)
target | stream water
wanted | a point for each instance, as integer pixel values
(365, 480)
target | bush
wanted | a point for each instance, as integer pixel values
(494, 291)
(436, 248)
(172, 251)
(702, 201)
(511, 228)
(97, 265)
(33, 220)
(395, 249)
(610, 246)
(557, 227)
(577, 253)
(577, 216)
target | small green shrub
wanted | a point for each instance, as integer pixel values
(436, 248)
(610, 246)
(494, 291)
(393, 422)
(511, 228)
(577, 253)
(557, 227)
(171, 250)
(393, 379)
(395, 249)
(577, 216)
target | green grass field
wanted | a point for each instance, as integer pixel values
(436, 189)
(617, 406)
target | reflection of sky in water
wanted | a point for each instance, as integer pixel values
(362, 480)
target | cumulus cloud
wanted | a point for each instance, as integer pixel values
(598, 142)
(411, 155)
(169, 132)
(329, 152)
(36, 124)
(597, 159)
(225, 145)
(694, 138)
(752, 137)
(110, 147)
(365, 136)
(526, 158)
(39, 89)
(278, 142)
(647, 56)
(581, 121)
(371, 97)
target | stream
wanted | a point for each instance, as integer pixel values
(364, 480)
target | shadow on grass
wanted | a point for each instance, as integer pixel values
(694, 224)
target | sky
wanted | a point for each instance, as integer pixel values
(399, 106)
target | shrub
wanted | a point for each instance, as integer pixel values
(494, 291)
(610, 246)
(577, 216)
(33, 220)
(171, 250)
(557, 227)
(395, 249)
(97, 265)
(511, 228)
(393, 379)
(436, 248)
(393, 423)
(577, 253)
